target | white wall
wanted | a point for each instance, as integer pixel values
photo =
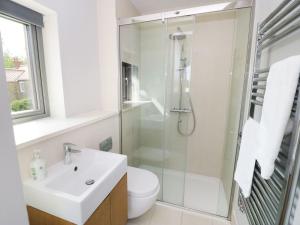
(108, 53)
(130, 44)
(152, 62)
(210, 91)
(72, 64)
(77, 23)
(108, 12)
(131, 134)
(12, 206)
(125, 9)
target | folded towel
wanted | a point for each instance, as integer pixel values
(278, 101)
(246, 161)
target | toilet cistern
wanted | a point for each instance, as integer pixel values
(69, 148)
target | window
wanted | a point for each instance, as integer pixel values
(21, 38)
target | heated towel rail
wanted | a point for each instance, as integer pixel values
(267, 202)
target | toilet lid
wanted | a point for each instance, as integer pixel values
(141, 182)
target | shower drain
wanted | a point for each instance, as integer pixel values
(90, 182)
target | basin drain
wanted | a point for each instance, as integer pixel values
(90, 182)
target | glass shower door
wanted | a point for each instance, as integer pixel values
(156, 105)
(142, 51)
(179, 120)
(163, 90)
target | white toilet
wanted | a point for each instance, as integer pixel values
(143, 188)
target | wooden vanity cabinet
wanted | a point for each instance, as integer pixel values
(112, 211)
(119, 203)
(102, 214)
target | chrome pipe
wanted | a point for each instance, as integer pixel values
(280, 26)
(278, 15)
(280, 36)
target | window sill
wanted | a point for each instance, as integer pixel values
(36, 131)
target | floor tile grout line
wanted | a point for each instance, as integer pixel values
(151, 215)
(181, 217)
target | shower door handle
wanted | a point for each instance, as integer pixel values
(181, 110)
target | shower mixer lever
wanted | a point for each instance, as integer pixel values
(178, 110)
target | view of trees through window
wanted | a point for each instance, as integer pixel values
(17, 65)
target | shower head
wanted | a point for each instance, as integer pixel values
(179, 35)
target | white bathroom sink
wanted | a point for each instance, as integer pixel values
(65, 194)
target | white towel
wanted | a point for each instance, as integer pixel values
(246, 161)
(279, 96)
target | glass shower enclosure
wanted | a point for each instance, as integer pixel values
(182, 82)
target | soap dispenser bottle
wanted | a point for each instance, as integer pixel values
(38, 167)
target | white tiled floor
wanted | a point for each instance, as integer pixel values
(167, 215)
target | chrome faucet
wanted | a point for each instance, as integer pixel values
(68, 149)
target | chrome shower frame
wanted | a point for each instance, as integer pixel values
(221, 7)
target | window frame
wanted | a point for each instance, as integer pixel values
(36, 61)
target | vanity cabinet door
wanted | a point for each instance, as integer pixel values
(119, 205)
(38, 217)
(102, 215)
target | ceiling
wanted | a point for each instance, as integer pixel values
(154, 6)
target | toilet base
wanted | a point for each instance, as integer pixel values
(137, 206)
